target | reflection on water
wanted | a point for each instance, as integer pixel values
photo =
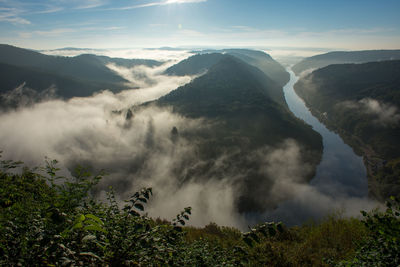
(341, 171)
(340, 183)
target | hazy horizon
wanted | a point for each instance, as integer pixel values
(99, 24)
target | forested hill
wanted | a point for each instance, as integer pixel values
(230, 81)
(247, 113)
(38, 81)
(203, 60)
(341, 57)
(362, 103)
(85, 67)
(77, 76)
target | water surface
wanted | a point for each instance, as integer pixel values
(341, 171)
(340, 183)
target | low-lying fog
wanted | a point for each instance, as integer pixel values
(136, 152)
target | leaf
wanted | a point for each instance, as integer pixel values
(255, 237)
(248, 241)
(80, 218)
(178, 228)
(94, 228)
(188, 210)
(142, 199)
(139, 206)
(279, 226)
(90, 254)
(94, 218)
(271, 230)
(134, 213)
(77, 225)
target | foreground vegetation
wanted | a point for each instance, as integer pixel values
(49, 220)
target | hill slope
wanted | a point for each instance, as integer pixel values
(67, 87)
(248, 114)
(362, 103)
(77, 76)
(205, 59)
(339, 57)
(85, 67)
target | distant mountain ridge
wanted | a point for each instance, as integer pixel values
(83, 67)
(67, 87)
(203, 60)
(342, 57)
(81, 75)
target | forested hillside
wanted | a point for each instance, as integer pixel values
(248, 113)
(77, 76)
(362, 103)
(203, 60)
(341, 57)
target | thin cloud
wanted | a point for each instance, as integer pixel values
(49, 10)
(54, 32)
(12, 15)
(15, 20)
(160, 3)
(90, 4)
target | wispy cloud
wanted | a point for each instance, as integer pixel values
(90, 4)
(12, 15)
(62, 31)
(158, 3)
(345, 31)
(49, 10)
(15, 20)
(54, 32)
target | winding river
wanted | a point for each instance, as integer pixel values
(340, 183)
(341, 171)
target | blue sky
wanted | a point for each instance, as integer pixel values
(339, 24)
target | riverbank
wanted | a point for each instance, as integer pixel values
(372, 161)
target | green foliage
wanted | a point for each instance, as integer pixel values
(382, 247)
(50, 220)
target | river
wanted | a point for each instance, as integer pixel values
(340, 169)
(340, 183)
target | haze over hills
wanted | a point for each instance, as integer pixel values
(169, 133)
(341, 57)
(248, 114)
(362, 103)
(40, 81)
(81, 75)
(204, 59)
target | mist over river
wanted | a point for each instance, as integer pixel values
(341, 171)
(340, 183)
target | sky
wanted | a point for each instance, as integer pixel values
(339, 24)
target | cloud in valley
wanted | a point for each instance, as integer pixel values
(138, 147)
(384, 114)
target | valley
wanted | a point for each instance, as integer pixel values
(360, 103)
